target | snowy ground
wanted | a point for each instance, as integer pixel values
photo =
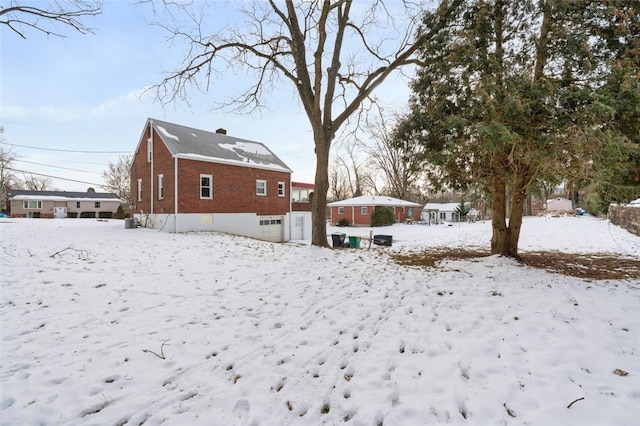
(103, 325)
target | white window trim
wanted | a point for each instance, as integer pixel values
(340, 210)
(149, 150)
(97, 205)
(364, 211)
(38, 204)
(210, 177)
(281, 189)
(139, 189)
(258, 182)
(160, 186)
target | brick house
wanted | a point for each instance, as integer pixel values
(357, 211)
(185, 179)
(62, 204)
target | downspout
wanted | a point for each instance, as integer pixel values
(175, 194)
(353, 215)
(291, 208)
(153, 153)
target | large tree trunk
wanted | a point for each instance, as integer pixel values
(319, 201)
(505, 236)
(499, 217)
(516, 213)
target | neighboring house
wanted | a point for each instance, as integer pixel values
(61, 204)
(435, 213)
(301, 196)
(559, 205)
(185, 179)
(301, 210)
(357, 211)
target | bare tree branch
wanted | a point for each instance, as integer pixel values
(21, 17)
(334, 52)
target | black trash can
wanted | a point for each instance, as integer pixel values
(338, 240)
(383, 240)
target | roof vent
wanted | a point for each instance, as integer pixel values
(221, 131)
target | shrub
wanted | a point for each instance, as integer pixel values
(87, 215)
(120, 214)
(343, 222)
(382, 216)
(72, 215)
(105, 215)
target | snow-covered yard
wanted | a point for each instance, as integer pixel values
(104, 325)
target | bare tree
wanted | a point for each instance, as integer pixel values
(19, 16)
(338, 181)
(398, 162)
(7, 177)
(117, 178)
(33, 183)
(355, 168)
(333, 55)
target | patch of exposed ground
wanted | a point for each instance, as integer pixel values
(598, 266)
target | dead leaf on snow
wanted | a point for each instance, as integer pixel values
(620, 372)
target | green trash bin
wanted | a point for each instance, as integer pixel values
(354, 242)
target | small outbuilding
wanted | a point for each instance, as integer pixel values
(435, 213)
(357, 211)
(559, 205)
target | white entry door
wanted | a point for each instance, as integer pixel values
(59, 212)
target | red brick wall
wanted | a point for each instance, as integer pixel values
(234, 187)
(140, 169)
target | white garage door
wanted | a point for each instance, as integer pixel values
(271, 228)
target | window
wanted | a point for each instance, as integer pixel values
(96, 204)
(206, 187)
(149, 150)
(281, 189)
(443, 215)
(340, 210)
(403, 210)
(77, 204)
(364, 211)
(160, 187)
(139, 189)
(261, 187)
(394, 210)
(32, 204)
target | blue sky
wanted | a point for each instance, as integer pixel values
(84, 93)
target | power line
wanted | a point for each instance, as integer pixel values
(56, 167)
(68, 150)
(56, 177)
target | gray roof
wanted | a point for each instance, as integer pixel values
(19, 194)
(190, 143)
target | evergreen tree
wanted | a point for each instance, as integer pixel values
(509, 94)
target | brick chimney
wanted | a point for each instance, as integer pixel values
(221, 131)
